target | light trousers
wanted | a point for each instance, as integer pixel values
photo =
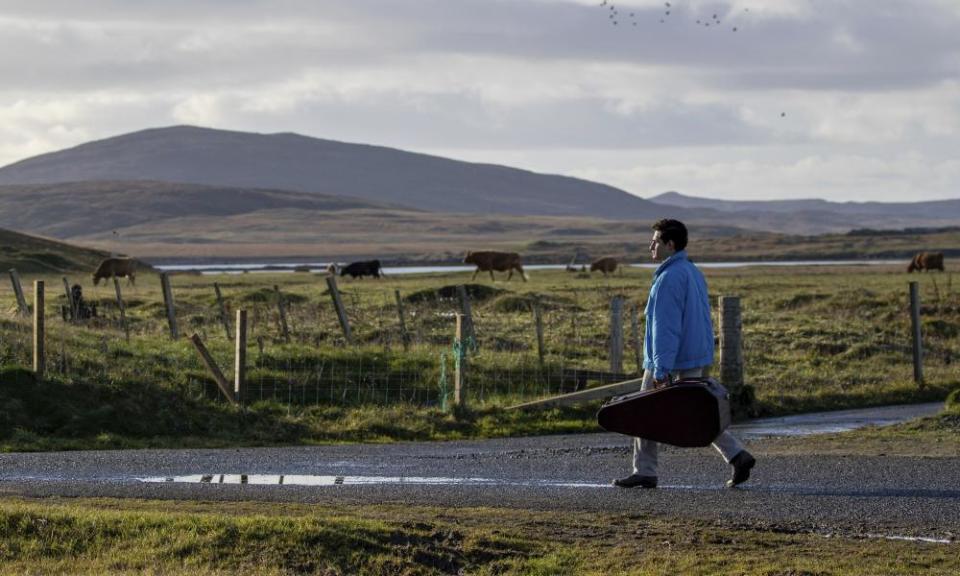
(645, 451)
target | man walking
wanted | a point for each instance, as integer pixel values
(678, 344)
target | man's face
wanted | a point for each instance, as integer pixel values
(660, 250)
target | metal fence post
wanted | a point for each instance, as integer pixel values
(616, 335)
(283, 314)
(538, 325)
(917, 339)
(460, 366)
(123, 309)
(468, 330)
(404, 336)
(223, 310)
(39, 353)
(635, 336)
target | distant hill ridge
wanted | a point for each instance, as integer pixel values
(71, 209)
(174, 186)
(933, 209)
(287, 161)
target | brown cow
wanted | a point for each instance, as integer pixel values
(607, 265)
(116, 268)
(488, 261)
(926, 261)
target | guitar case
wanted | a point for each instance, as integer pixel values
(687, 413)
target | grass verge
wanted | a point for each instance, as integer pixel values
(149, 537)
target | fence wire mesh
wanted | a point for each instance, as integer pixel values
(845, 337)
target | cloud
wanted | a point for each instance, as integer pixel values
(800, 80)
(199, 109)
(905, 177)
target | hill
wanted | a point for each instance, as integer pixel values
(33, 254)
(188, 192)
(814, 215)
(174, 222)
(162, 221)
(92, 209)
(299, 163)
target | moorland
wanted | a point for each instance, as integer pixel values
(815, 338)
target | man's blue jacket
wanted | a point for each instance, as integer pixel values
(679, 332)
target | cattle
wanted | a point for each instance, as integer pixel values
(489, 260)
(116, 268)
(926, 261)
(358, 269)
(607, 265)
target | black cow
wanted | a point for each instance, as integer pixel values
(361, 269)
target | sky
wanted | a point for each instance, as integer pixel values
(842, 100)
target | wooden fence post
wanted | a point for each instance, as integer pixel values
(538, 325)
(635, 336)
(616, 335)
(240, 359)
(917, 340)
(468, 331)
(39, 353)
(123, 308)
(223, 310)
(731, 347)
(283, 314)
(404, 336)
(168, 301)
(338, 304)
(22, 308)
(460, 365)
(213, 368)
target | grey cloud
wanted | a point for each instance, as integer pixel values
(163, 52)
(904, 44)
(465, 121)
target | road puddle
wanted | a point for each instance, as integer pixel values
(833, 422)
(324, 480)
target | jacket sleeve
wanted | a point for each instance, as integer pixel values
(666, 326)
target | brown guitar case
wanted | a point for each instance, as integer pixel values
(687, 413)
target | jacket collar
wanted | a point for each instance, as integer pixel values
(681, 255)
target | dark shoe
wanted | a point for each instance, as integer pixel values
(634, 480)
(742, 463)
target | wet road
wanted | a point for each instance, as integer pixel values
(901, 496)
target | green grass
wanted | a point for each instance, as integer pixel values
(35, 255)
(814, 339)
(148, 537)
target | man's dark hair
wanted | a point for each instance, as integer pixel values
(672, 230)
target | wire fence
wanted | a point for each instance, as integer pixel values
(839, 341)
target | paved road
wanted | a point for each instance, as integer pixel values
(913, 496)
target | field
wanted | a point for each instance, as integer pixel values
(814, 338)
